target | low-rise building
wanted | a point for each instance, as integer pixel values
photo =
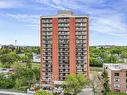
(7, 70)
(0, 46)
(125, 60)
(117, 77)
(36, 58)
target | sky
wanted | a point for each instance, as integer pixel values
(19, 19)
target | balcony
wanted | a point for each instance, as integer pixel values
(46, 25)
(63, 20)
(80, 25)
(47, 21)
(63, 29)
(63, 25)
(81, 20)
(63, 33)
(63, 37)
(81, 29)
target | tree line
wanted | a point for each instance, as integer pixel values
(113, 54)
(25, 75)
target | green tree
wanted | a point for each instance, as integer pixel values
(37, 73)
(8, 59)
(110, 59)
(75, 83)
(124, 54)
(41, 92)
(21, 83)
(26, 76)
(95, 62)
(7, 81)
(5, 51)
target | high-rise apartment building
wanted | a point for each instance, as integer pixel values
(64, 46)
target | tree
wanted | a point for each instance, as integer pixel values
(95, 62)
(110, 59)
(7, 81)
(37, 73)
(8, 59)
(104, 79)
(25, 76)
(74, 84)
(5, 51)
(21, 83)
(124, 54)
(41, 92)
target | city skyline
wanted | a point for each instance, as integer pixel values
(19, 20)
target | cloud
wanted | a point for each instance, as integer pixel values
(112, 25)
(51, 3)
(105, 17)
(69, 4)
(10, 4)
(31, 21)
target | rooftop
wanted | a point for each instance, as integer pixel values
(64, 13)
(116, 66)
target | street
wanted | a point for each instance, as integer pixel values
(12, 93)
(86, 91)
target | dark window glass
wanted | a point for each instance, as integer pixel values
(116, 74)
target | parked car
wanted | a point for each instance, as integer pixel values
(58, 90)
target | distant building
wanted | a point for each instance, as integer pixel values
(8, 46)
(105, 46)
(117, 77)
(125, 60)
(64, 46)
(0, 46)
(36, 58)
(6, 70)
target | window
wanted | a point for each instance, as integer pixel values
(126, 80)
(116, 85)
(116, 79)
(116, 90)
(116, 74)
(126, 85)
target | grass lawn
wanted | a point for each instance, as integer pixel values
(1, 65)
(34, 65)
(96, 69)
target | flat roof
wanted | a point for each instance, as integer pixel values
(59, 16)
(64, 13)
(117, 66)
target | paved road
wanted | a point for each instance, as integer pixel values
(12, 93)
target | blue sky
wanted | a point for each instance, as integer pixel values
(19, 19)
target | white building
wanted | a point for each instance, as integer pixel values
(0, 46)
(125, 60)
(36, 58)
